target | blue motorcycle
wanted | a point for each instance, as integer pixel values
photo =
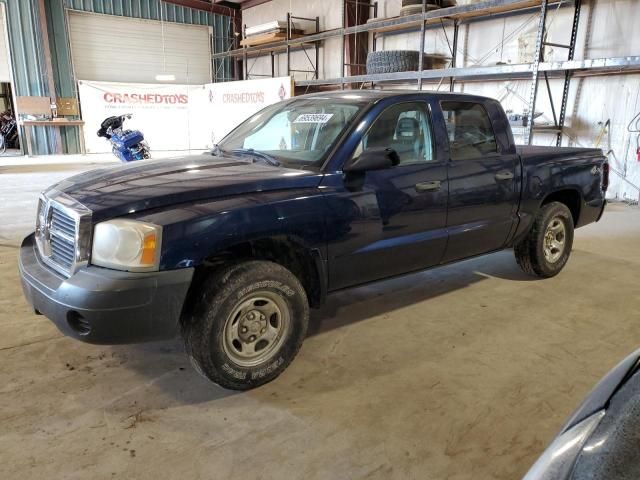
(127, 145)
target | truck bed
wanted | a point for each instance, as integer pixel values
(528, 151)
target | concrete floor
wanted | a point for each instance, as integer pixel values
(462, 372)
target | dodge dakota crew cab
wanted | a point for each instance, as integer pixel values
(314, 194)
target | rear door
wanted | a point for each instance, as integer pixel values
(482, 171)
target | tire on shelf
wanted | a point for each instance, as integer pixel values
(389, 61)
(415, 9)
(430, 4)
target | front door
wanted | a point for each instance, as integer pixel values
(483, 193)
(392, 221)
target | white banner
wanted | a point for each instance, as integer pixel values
(176, 117)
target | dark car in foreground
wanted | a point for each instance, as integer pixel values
(600, 440)
(311, 195)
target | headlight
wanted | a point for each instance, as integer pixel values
(126, 245)
(558, 460)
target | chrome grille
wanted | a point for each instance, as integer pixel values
(63, 223)
(62, 232)
(62, 251)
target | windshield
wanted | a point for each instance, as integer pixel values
(298, 133)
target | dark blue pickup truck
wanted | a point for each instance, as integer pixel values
(308, 196)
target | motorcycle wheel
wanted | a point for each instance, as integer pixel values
(3, 144)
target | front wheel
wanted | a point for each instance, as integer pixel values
(248, 324)
(545, 250)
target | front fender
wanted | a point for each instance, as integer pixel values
(193, 232)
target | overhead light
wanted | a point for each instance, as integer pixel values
(165, 77)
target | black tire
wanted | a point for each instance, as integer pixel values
(3, 144)
(416, 9)
(388, 61)
(218, 298)
(530, 252)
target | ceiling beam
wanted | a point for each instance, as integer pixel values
(252, 3)
(227, 10)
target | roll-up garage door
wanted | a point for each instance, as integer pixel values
(120, 49)
(5, 75)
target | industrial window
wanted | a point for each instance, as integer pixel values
(405, 128)
(469, 130)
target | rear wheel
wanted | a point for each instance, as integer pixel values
(248, 325)
(545, 250)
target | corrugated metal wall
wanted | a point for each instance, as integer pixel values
(29, 73)
(150, 9)
(28, 63)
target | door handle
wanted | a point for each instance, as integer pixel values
(504, 175)
(428, 186)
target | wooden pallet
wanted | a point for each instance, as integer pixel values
(267, 38)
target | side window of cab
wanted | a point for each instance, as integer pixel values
(469, 130)
(405, 127)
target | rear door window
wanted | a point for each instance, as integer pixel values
(469, 130)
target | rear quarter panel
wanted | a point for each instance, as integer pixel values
(546, 170)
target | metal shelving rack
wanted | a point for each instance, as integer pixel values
(455, 16)
(274, 48)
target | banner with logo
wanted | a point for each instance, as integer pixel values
(176, 117)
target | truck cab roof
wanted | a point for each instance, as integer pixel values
(375, 95)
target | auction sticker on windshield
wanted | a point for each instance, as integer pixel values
(313, 118)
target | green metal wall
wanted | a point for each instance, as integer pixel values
(29, 72)
(27, 49)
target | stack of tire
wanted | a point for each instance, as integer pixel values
(389, 61)
(411, 7)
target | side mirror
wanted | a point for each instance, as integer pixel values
(378, 158)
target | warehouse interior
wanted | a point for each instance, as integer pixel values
(469, 370)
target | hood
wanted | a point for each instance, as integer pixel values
(148, 184)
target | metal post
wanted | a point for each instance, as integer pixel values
(51, 85)
(237, 29)
(344, 22)
(454, 54)
(423, 25)
(273, 65)
(375, 15)
(528, 137)
(317, 45)
(553, 110)
(567, 75)
(288, 44)
(245, 58)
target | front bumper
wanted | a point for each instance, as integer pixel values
(103, 306)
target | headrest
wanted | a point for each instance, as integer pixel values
(407, 129)
(468, 119)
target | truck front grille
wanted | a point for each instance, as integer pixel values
(62, 250)
(62, 232)
(63, 223)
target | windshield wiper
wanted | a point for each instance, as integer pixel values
(256, 154)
